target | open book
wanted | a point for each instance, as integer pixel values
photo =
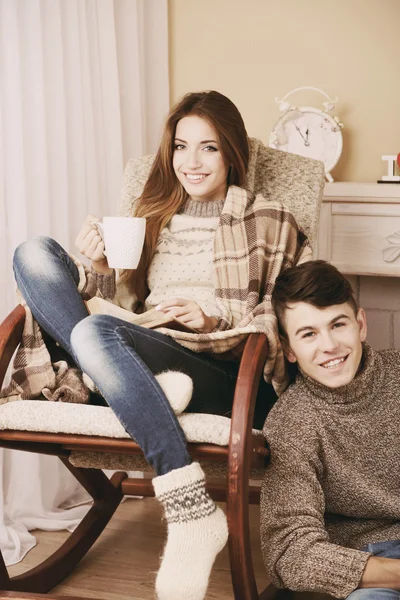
(151, 319)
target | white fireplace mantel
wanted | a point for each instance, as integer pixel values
(359, 229)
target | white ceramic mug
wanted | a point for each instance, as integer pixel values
(123, 240)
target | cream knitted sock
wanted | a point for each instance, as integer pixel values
(197, 531)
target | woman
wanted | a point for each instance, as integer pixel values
(204, 150)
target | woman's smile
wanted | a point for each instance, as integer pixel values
(195, 178)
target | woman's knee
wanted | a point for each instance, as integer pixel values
(32, 251)
(89, 335)
(84, 332)
(95, 344)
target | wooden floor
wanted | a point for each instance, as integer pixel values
(123, 563)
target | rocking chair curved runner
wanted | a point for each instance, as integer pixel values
(298, 183)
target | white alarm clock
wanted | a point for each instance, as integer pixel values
(309, 131)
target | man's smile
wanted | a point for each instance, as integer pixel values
(333, 362)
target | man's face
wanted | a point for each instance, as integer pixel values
(325, 342)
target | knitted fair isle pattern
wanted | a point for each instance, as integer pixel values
(187, 503)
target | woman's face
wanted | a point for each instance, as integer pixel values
(197, 160)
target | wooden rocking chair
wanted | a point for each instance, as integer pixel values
(298, 183)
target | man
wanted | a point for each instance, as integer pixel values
(330, 506)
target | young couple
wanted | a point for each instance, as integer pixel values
(330, 507)
(331, 499)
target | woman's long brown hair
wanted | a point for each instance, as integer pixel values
(163, 194)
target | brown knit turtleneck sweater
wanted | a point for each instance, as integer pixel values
(333, 483)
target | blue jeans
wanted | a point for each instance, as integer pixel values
(389, 549)
(122, 358)
(374, 594)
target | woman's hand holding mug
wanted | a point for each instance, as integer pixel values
(112, 242)
(90, 243)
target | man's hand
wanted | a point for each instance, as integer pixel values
(381, 572)
(90, 243)
(190, 313)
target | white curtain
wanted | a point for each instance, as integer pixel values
(83, 87)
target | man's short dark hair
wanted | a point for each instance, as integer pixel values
(316, 282)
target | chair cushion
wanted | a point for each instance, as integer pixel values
(78, 419)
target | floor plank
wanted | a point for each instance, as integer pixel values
(123, 563)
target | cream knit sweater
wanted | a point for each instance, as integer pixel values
(333, 484)
(182, 265)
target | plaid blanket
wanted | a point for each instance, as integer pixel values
(254, 241)
(34, 375)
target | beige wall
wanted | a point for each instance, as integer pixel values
(254, 50)
(380, 298)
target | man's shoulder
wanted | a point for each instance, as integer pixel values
(295, 395)
(389, 356)
(293, 411)
(387, 363)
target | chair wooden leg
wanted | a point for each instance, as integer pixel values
(242, 572)
(106, 496)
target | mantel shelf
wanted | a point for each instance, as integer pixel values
(362, 191)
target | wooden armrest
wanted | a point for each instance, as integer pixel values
(10, 336)
(241, 444)
(250, 371)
